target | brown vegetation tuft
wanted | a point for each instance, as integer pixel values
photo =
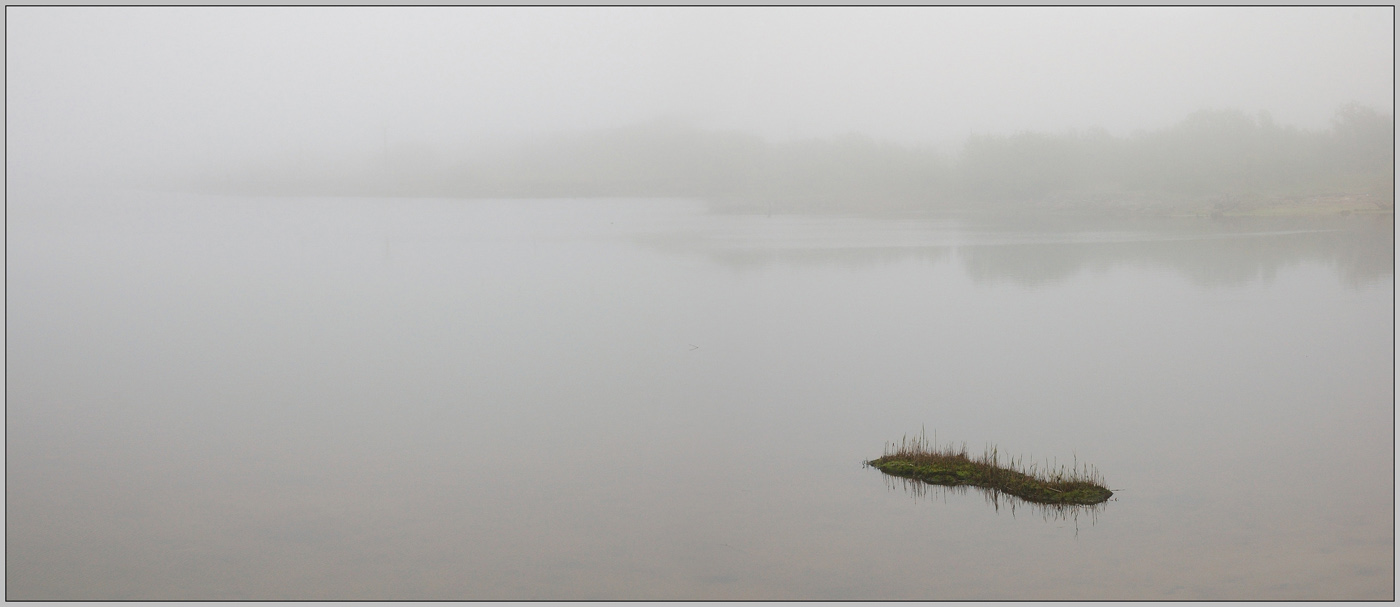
(918, 458)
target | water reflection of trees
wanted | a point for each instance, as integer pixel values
(1225, 252)
(1211, 253)
(851, 256)
(1072, 513)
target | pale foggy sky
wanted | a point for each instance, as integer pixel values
(104, 91)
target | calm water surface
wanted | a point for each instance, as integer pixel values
(258, 398)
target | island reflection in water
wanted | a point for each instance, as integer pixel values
(922, 491)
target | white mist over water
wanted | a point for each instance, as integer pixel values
(242, 398)
(368, 397)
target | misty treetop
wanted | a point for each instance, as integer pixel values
(1222, 158)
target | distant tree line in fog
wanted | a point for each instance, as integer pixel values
(1219, 157)
(1227, 155)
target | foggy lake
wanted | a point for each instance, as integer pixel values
(240, 397)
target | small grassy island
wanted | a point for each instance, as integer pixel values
(916, 459)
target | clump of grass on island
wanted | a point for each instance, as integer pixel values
(916, 458)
